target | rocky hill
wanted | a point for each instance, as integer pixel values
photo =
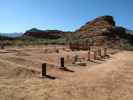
(97, 25)
(100, 31)
(49, 34)
(103, 31)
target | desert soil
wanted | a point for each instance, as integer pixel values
(20, 76)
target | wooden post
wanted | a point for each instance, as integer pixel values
(44, 69)
(99, 53)
(89, 55)
(62, 62)
(57, 50)
(89, 48)
(2, 46)
(105, 51)
(95, 55)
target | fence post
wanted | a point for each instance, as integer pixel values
(2, 46)
(57, 50)
(95, 55)
(99, 53)
(105, 51)
(62, 62)
(89, 55)
(44, 69)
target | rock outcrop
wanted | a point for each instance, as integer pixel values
(97, 25)
(103, 31)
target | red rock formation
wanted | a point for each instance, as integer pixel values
(102, 30)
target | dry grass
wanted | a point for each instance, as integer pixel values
(20, 77)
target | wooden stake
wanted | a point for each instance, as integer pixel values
(44, 69)
(105, 51)
(2, 46)
(62, 62)
(99, 53)
(89, 48)
(95, 55)
(89, 55)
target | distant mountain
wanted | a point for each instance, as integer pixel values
(129, 31)
(12, 35)
(47, 34)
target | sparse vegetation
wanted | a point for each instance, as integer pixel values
(101, 31)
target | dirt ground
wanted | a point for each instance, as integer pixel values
(106, 79)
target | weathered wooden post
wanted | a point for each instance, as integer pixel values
(62, 62)
(89, 55)
(57, 50)
(44, 69)
(99, 53)
(105, 51)
(2, 46)
(95, 55)
(89, 48)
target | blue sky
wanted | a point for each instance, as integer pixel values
(68, 15)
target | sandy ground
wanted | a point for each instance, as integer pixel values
(20, 79)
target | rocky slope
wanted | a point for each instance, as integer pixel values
(97, 25)
(103, 31)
